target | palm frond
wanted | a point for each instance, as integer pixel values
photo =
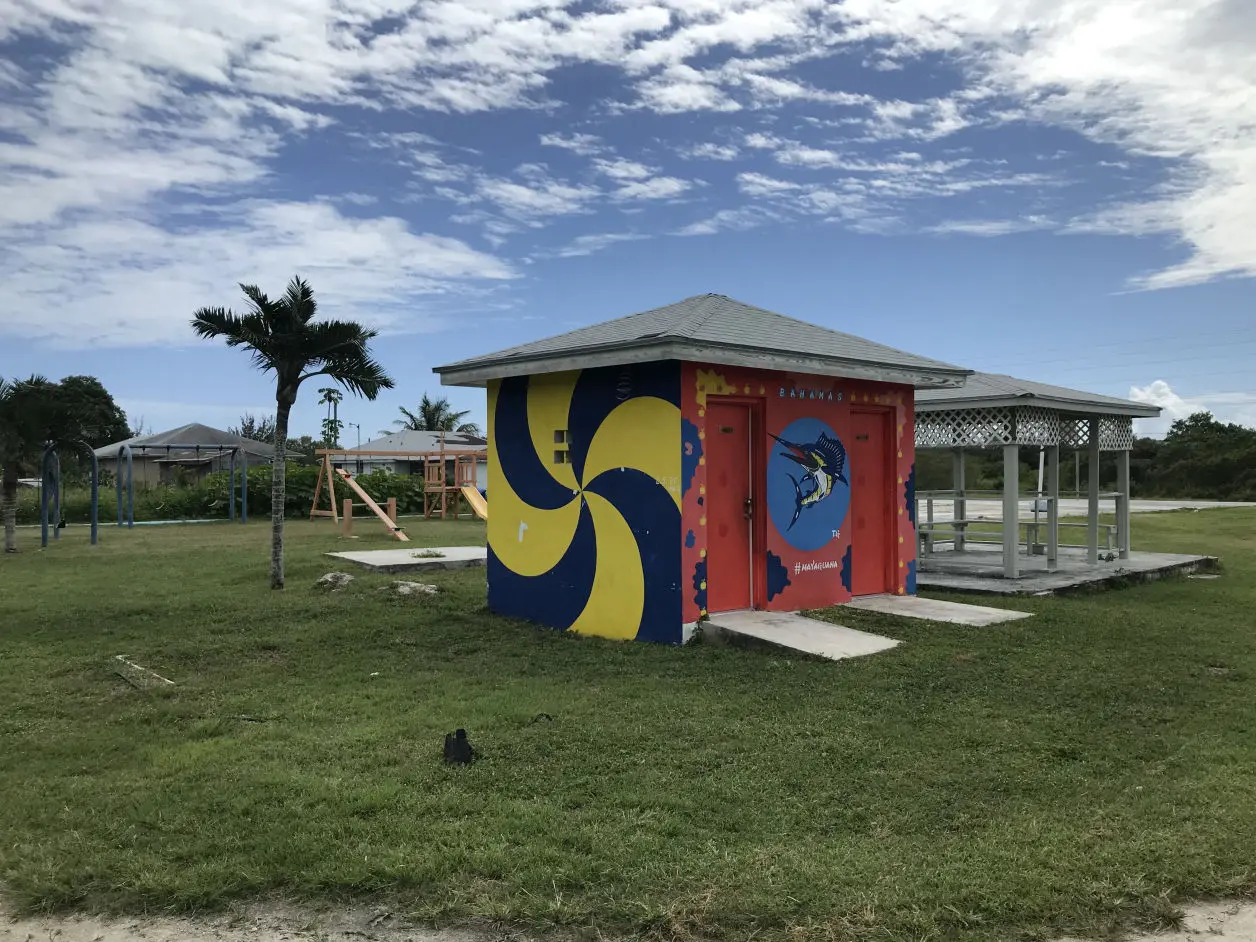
(299, 298)
(238, 330)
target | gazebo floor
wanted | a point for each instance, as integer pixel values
(979, 569)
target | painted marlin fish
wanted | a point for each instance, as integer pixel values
(823, 462)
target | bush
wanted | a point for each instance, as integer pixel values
(208, 499)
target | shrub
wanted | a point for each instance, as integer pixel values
(208, 499)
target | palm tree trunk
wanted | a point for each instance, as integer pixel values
(278, 492)
(8, 506)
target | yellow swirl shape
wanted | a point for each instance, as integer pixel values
(641, 434)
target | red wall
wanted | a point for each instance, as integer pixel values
(808, 568)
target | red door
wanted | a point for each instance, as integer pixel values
(728, 491)
(872, 488)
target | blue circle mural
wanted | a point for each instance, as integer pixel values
(808, 484)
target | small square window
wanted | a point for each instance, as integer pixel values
(561, 456)
(560, 436)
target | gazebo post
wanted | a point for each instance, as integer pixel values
(1053, 507)
(1092, 493)
(1011, 511)
(1123, 503)
(959, 511)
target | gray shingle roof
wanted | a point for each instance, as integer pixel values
(996, 388)
(710, 321)
(410, 440)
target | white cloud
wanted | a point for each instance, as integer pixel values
(655, 188)
(1162, 78)
(1237, 407)
(586, 145)
(620, 169)
(162, 119)
(543, 198)
(595, 242)
(710, 151)
(735, 220)
(990, 228)
(131, 283)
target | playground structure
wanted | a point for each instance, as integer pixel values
(387, 517)
(442, 490)
(50, 492)
(126, 512)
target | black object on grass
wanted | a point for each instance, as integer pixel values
(458, 749)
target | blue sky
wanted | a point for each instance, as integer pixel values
(1063, 192)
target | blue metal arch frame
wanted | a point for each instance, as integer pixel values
(51, 490)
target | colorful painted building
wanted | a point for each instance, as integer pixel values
(702, 457)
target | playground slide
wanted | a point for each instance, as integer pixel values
(366, 499)
(477, 501)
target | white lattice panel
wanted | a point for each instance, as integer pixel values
(1116, 433)
(1036, 426)
(964, 428)
(1025, 425)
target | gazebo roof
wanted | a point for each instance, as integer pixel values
(187, 438)
(992, 410)
(709, 328)
(994, 390)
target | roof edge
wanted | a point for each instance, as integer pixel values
(1135, 410)
(480, 372)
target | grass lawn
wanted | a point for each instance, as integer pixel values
(1074, 771)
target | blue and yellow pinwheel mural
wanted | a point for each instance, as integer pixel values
(585, 490)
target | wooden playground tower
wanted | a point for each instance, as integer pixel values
(442, 493)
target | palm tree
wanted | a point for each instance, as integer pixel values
(435, 415)
(285, 339)
(29, 420)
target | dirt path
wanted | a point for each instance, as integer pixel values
(1213, 922)
(254, 924)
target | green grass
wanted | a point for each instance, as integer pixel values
(1075, 771)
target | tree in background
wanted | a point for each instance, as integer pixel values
(305, 447)
(330, 396)
(285, 339)
(435, 415)
(100, 420)
(251, 427)
(1203, 458)
(32, 414)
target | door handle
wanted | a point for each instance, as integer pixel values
(749, 509)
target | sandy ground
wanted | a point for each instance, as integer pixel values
(254, 924)
(1214, 922)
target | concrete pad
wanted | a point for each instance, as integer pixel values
(955, 613)
(412, 559)
(978, 569)
(800, 634)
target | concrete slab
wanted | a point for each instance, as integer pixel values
(799, 634)
(412, 559)
(979, 569)
(955, 613)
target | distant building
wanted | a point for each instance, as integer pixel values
(188, 452)
(366, 458)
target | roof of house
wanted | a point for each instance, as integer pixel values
(708, 328)
(992, 390)
(181, 441)
(410, 440)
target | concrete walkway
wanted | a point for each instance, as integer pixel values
(800, 634)
(412, 559)
(955, 613)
